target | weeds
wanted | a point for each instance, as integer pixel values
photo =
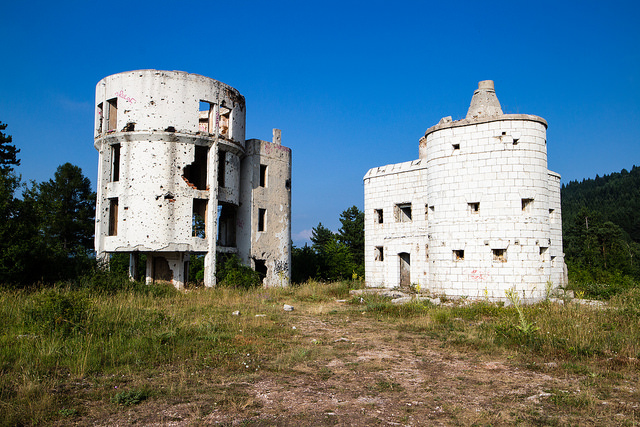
(131, 397)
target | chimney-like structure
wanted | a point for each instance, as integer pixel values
(484, 102)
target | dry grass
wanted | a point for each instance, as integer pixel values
(184, 358)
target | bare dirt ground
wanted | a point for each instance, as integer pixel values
(363, 372)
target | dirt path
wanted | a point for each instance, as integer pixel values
(363, 372)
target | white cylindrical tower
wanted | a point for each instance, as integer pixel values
(488, 202)
(170, 145)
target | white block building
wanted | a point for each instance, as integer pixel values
(477, 214)
(176, 177)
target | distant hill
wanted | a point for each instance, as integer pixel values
(614, 197)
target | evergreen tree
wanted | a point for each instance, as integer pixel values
(352, 234)
(8, 151)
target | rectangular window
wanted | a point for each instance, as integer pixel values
(205, 117)
(378, 217)
(403, 212)
(225, 115)
(527, 205)
(263, 175)
(499, 255)
(100, 117)
(222, 167)
(262, 219)
(227, 225)
(113, 114)
(455, 147)
(474, 208)
(115, 162)
(113, 217)
(379, 253)
(458, 255)
(199, 218)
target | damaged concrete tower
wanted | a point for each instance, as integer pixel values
(176, 177)
(477, 214)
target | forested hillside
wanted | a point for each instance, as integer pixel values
(601, 229)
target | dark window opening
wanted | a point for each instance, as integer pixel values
(378, 217)
(499, 255)
(456, 147)
(379, 253)
(112, 114)
(115, 162)
(100, 117)
(222, 167)
(527, 205)
(262, 219)
(403, 212)
(199, 218)
(227, 225)
(161, 270)
(195, 174)
(263, 175)
(260, 266)
(113, 217)
(458, 255)
(170, 129)
(474, 208)
(287, 184)
(129, 127)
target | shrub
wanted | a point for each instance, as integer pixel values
(54, 310)
(230, 272)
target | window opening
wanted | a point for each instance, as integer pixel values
(456, 147)
(262, 219)
(499, 255)
(426, 252)
(263, 175)
(100, 117)
(113, 114)
(474, 208)
(199, 218)
(195, 174)
(287, 184)
(458, 255)
(378, 217)
(432, 209)
(543, 252)
(113, 217)
(403, 212)
(226, 225)
(222, 167)
(225, 114)
(379, 253)
(129, 127)
(205, 116)
(115, 162)
(527, 205)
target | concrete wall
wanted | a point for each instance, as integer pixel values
(266, 193)
(486, 210)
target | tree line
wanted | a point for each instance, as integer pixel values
(46, 229)
(601, 231)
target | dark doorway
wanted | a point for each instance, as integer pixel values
(405, 269)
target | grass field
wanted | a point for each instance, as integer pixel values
(155, 356)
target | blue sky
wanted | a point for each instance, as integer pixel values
(352, 85)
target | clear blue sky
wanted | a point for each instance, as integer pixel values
(352, 85)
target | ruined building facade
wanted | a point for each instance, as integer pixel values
(476, 214)
(176, 177)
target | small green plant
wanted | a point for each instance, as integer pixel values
(231, 272)
(130, 397)
(57, 311)
(525, 327)
(548, 289)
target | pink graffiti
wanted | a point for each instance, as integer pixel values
(122, 95)
(477, 275)
(269, 146)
